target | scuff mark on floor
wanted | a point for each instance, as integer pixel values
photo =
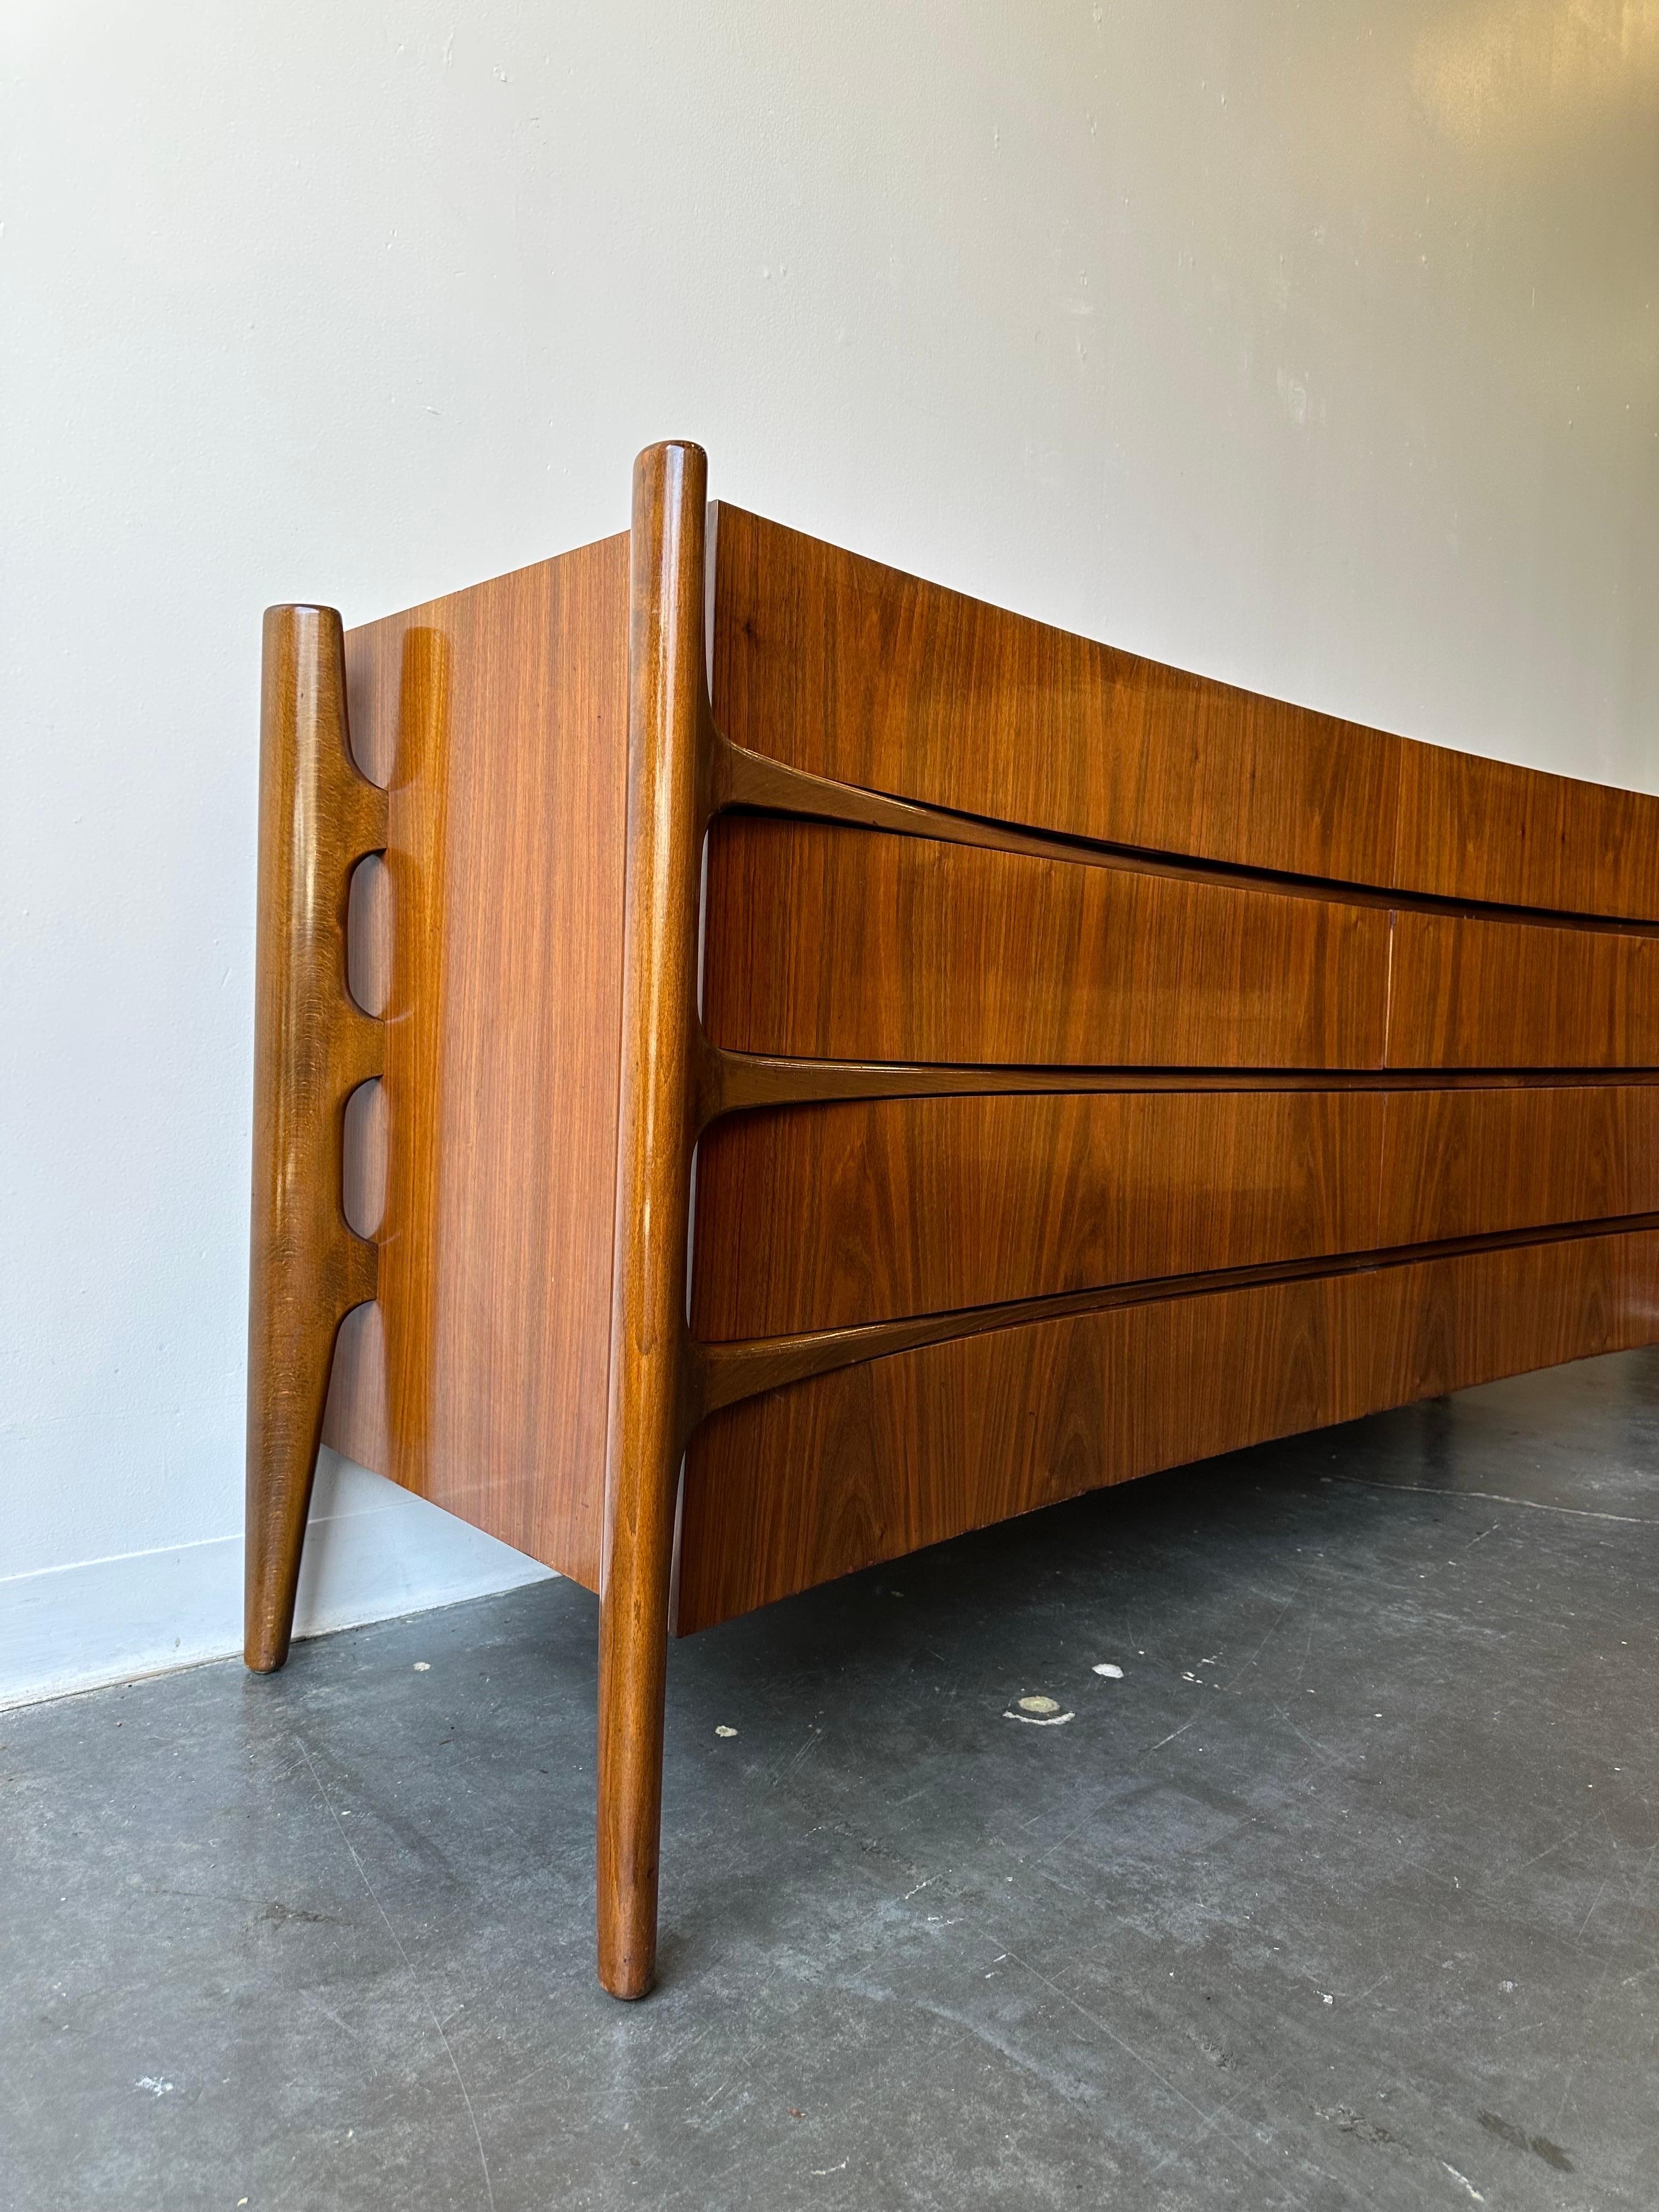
(489, 2189)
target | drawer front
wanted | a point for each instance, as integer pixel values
(1475, 1162)
(1478, 994)
(824, 1217)
(793, 1489)
(857, 671)
(842, 943)
(1479, 829)
(821, 1217)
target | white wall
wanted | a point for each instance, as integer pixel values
(1311, 346)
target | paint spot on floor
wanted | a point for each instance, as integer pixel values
(422, 1666)
(1038, 1711)
(1110, 1670)
(154, 2084)
(721, 1728)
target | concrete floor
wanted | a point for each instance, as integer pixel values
(1343, 1895)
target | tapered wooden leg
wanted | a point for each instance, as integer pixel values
(668, 755)
(312, 1046)
(633, 1665)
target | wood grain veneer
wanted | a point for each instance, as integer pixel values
(877, 678)
(1477, 994)
(921, 1205)
(498, 716)
(1080, 1067)
(925, 1206)
(1470, 828)
(861, 673)
(836, 944)
(879, 1459)
(1474, 1163)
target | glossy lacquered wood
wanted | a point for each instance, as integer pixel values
(926, 1205)
(922, 1206)
(826, 941)
(1475, 1162)
(1504, 993)
(835, 943)
(881, 1458)
(861, 672)
(669, 739)
(313, 1046)
(499, 717)
(1477, 828)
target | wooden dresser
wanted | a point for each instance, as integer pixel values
(824, 1064)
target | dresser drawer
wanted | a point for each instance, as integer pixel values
(1479, 829)
(838, 943)
(923, 1205)
(1471, 993)
(805, 1484)
(859, 672)
(1480, 1163)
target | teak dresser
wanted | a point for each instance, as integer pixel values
(855, 1065)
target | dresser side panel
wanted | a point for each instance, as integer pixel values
(499, 717)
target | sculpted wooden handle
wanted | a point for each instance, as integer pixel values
(312, 1045)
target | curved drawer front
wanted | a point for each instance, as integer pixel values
(1502, 994)
(1479, 828)
(1476, 1162)
(922, 1206)
(842, 944)
(846, 944)
(806, 1483)
(925, 1206)
(866, 675)
(859, 672)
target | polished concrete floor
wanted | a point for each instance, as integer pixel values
(1342, 1895)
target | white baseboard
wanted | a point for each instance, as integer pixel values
(372, 1551)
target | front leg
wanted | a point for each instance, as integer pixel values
(632, 1669)
(650, 1418)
